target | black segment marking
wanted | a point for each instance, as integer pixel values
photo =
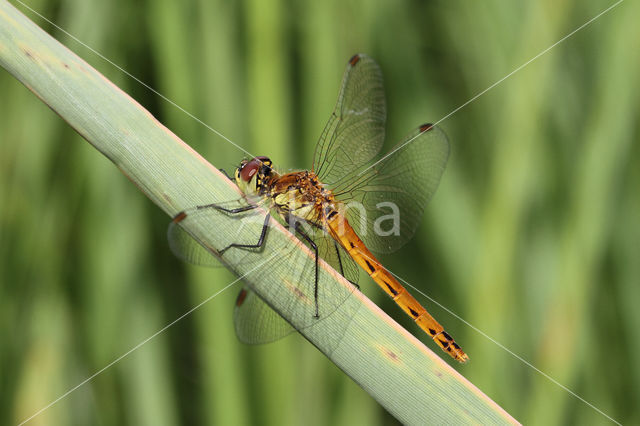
(444, 343)
(370, 266)
(446, 336)
(391, 289)
(432, 332)
(414, 313)
(332, 214)
(351, 244)
(455, 345)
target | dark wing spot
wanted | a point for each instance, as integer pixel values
(370, 266)
(354, 60)
(426, 127)
(241, 297)
(179, 217)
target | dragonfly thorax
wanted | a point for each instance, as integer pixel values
(298, 194)
(302, 195)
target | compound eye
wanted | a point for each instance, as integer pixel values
(250, 169)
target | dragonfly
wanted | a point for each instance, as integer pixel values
(316, 205)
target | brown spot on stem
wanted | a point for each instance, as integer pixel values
(389, 354)
(392, 355)
(28, 53)
(299, 293)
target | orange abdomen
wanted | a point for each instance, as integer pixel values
(341, 231)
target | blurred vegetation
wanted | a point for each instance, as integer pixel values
(533, 236)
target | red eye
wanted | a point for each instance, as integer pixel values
(250, 169)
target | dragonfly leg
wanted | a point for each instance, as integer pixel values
(335, 245)
(260, 242)
(313, 245)
(226, 210)
(183, 214)
(224, 172)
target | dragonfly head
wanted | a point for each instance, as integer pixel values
(251, 174)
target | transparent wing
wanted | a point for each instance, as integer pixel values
(385, 203)
(355, 131)
(188, 249)
(256, 322)
(337, 257)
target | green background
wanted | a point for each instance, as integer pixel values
(533, 236)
